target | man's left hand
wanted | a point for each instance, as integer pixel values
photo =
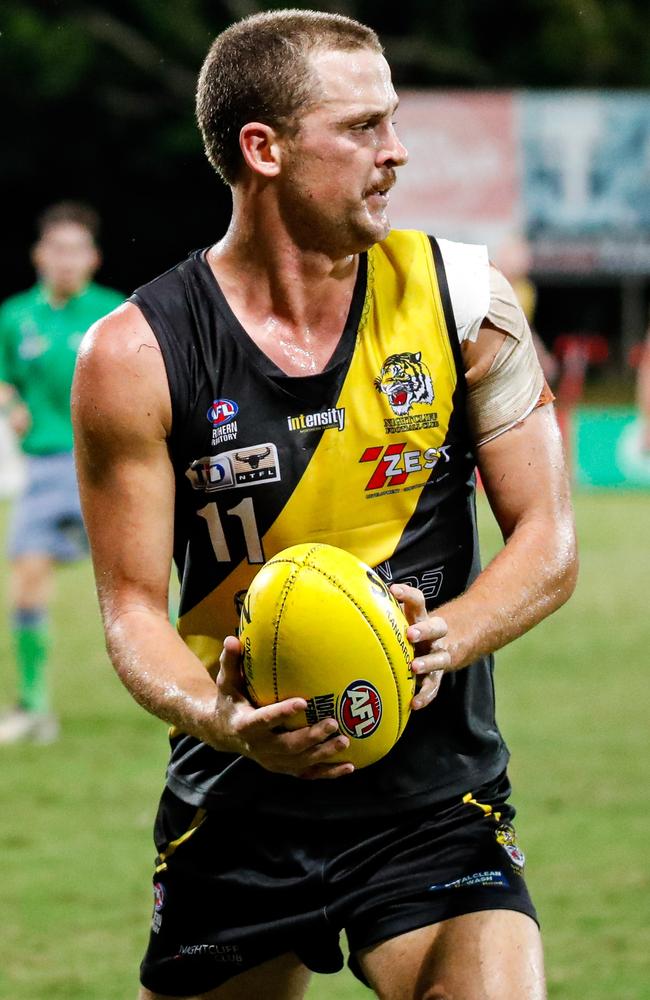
(426, 633)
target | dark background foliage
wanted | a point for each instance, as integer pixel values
(98, 100)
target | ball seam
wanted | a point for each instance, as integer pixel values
(286, 590)
(352, 598)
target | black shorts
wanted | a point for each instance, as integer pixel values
(232, 891)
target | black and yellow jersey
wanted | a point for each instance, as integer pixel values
(373, 455)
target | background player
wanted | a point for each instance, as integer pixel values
(309, 301)
(40, 332)
(643, 394)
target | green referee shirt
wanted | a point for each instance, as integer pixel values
(38, 348)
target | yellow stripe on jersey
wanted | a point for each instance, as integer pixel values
(331, 503)
(350, 494)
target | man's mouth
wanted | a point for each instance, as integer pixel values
(381, 191)
(378, 198)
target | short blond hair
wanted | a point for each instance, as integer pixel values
(257, 70)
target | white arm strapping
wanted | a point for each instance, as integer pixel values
(512, 387)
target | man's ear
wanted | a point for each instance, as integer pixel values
(260, 148)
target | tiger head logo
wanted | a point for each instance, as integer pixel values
(405, 380)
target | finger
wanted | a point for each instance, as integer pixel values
(437, 659)
(230, 660)
(293, 752)
(229, 680)
(327, 771)
(412, 601)
(322, 752)
(314, 762)
(427, 629)
(428, 690)
(322, 734)
(271, 717)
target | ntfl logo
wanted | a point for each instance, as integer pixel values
(222, 412)
(360, 709)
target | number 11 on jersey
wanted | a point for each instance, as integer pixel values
(245, 513)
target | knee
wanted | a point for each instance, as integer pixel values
(31, 582)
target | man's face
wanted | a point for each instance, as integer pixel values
(66, 258)
(337, 171)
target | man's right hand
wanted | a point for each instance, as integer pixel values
(259, 733)
(20, 419)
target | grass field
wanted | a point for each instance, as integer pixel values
(75, 845)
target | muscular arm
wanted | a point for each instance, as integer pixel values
(526, 482)
(122, 416)
(534, 574)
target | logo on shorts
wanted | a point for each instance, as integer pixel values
(158, 896)
(217, 952)
(158, 903)
(486, 878)
(360, 709)
(506, 836)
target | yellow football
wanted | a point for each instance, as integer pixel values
(317, 623)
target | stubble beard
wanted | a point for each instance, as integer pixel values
(315, 230)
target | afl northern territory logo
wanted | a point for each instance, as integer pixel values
(360, 709)
(222, 412)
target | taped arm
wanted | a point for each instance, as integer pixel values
(521, 460)
(526, 482)
(504, 377)
(523, 471)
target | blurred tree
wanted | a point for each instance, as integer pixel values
(98, 99)
(98, 103)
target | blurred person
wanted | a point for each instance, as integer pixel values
(11, 465)
(643, 394)
(514, 260)
(310, 304)
(40, 333)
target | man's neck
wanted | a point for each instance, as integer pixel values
(293, 304)
(58, 298)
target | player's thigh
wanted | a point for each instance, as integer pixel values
(488, 955)
(281, 978)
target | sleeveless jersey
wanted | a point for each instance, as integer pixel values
(373, 455)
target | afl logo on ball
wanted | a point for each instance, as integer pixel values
(360, 709)
(222, 411)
